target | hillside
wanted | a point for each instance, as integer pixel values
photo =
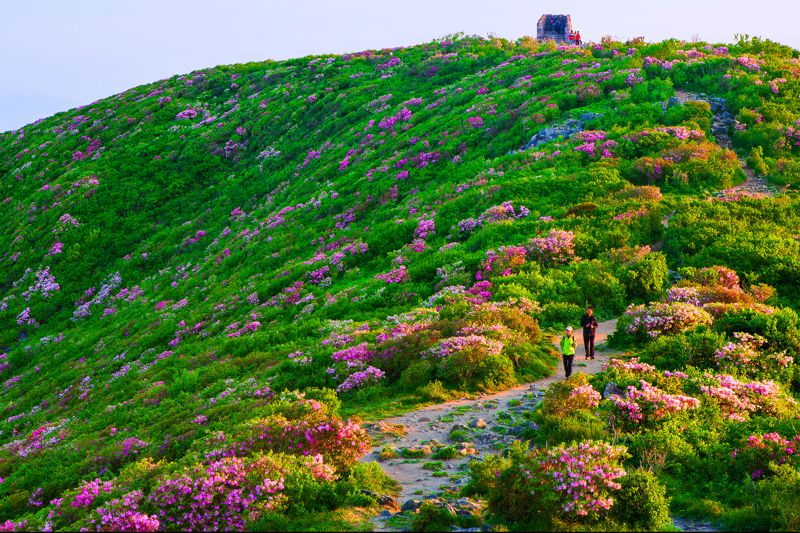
(203, 277)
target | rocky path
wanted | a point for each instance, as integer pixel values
(721, 121)
(486, 420)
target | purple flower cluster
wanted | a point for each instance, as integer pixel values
(451, 345)
(186, 114)
(397, 275)
(689, 295)
(585, 396)
(391, 62)
(739, 399)
(746, 356)
(344, 219)
(299, 359)
(89, 491)
(660, 318)
(44, 285)
(750, 63)
(355, 355)
(555, 249)
(631, 366)
(476, 121)
(224, 495)
(320, 276)
(123, 514)
(650, 404)
(388, 123)
(425, 227)
(497, 213)
(361, 378)
(583, 475)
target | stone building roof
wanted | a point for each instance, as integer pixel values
(554, 28)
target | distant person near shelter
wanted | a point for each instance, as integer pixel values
(571, 37)
(568, 350)
(589, 324)
(578, 37)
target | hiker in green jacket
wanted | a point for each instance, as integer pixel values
(568, 350)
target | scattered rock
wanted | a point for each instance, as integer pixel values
(384, 500)
(466, 503)
(685, 524)
(479, 423)
(395, 430)
(411, 506)
(611, 389)
(467, 448)
(566, 129)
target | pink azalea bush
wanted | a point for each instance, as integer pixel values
(763, 450)
(747, 356)
(567, 481)
(648, 404)
(224, 495)
(661, 318)
(738, 400)
(555, 249)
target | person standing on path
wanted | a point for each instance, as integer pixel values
(589, 324)
(568, 350)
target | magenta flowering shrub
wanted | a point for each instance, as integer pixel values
(495, 214)
(661, 318)
(556, 249)
(354, 355)
(583, 397)
(570, 482)
(46, 436)
(89, 491)
(397, 275)
(738, 400)
(502, 262)
(645, 406)
(762, 451)
(360, 378)
(425, 227)
(631, 366)
(746, 357)
(451, 345)
(476, 121)
(341, 443)
(226, 494)
(123, 514)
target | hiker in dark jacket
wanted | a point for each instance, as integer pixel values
(589, 324)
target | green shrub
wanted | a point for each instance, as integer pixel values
(445, 453)
(434, 391)
(642, 501)
(561, 314)
(431, 517)
(780, 498)
(663, 450)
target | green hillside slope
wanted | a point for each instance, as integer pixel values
(373, 231)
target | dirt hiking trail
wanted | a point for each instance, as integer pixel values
(435, 423)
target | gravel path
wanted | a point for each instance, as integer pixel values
(722, 118)
(435, 423)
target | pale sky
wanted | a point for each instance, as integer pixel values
(58, 54)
